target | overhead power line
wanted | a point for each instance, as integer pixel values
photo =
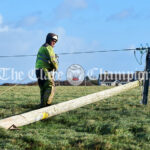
(73, 53)
(6, 56)
(101, 51)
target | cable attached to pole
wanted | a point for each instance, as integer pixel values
(73, 53)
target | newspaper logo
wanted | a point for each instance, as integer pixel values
(75, 75)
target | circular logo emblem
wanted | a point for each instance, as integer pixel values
(75, 75)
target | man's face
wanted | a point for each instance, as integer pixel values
(53, 43)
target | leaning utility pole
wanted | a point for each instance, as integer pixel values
(146, 78)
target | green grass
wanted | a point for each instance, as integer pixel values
(119, 122)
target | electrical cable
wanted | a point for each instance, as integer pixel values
(67, 53)
(142, 53)
(80, 52)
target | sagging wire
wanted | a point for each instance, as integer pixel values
(73, 53)
(142, 51)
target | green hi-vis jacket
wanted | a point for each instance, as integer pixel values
(46, 58)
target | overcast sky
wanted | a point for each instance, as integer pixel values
(82, 25)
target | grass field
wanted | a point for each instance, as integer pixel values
(119, 122)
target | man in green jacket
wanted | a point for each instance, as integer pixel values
(46, 62)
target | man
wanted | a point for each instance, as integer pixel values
(46, 62)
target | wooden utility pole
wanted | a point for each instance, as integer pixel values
(46, 112)
(146, 78)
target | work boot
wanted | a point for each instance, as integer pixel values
(48, 104)
(42, 103)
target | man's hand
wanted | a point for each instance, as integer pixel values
(57, 58)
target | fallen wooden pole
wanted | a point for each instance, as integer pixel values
(46, 112)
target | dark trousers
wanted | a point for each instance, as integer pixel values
(46, 84)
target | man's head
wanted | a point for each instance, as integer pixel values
(51, 39)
